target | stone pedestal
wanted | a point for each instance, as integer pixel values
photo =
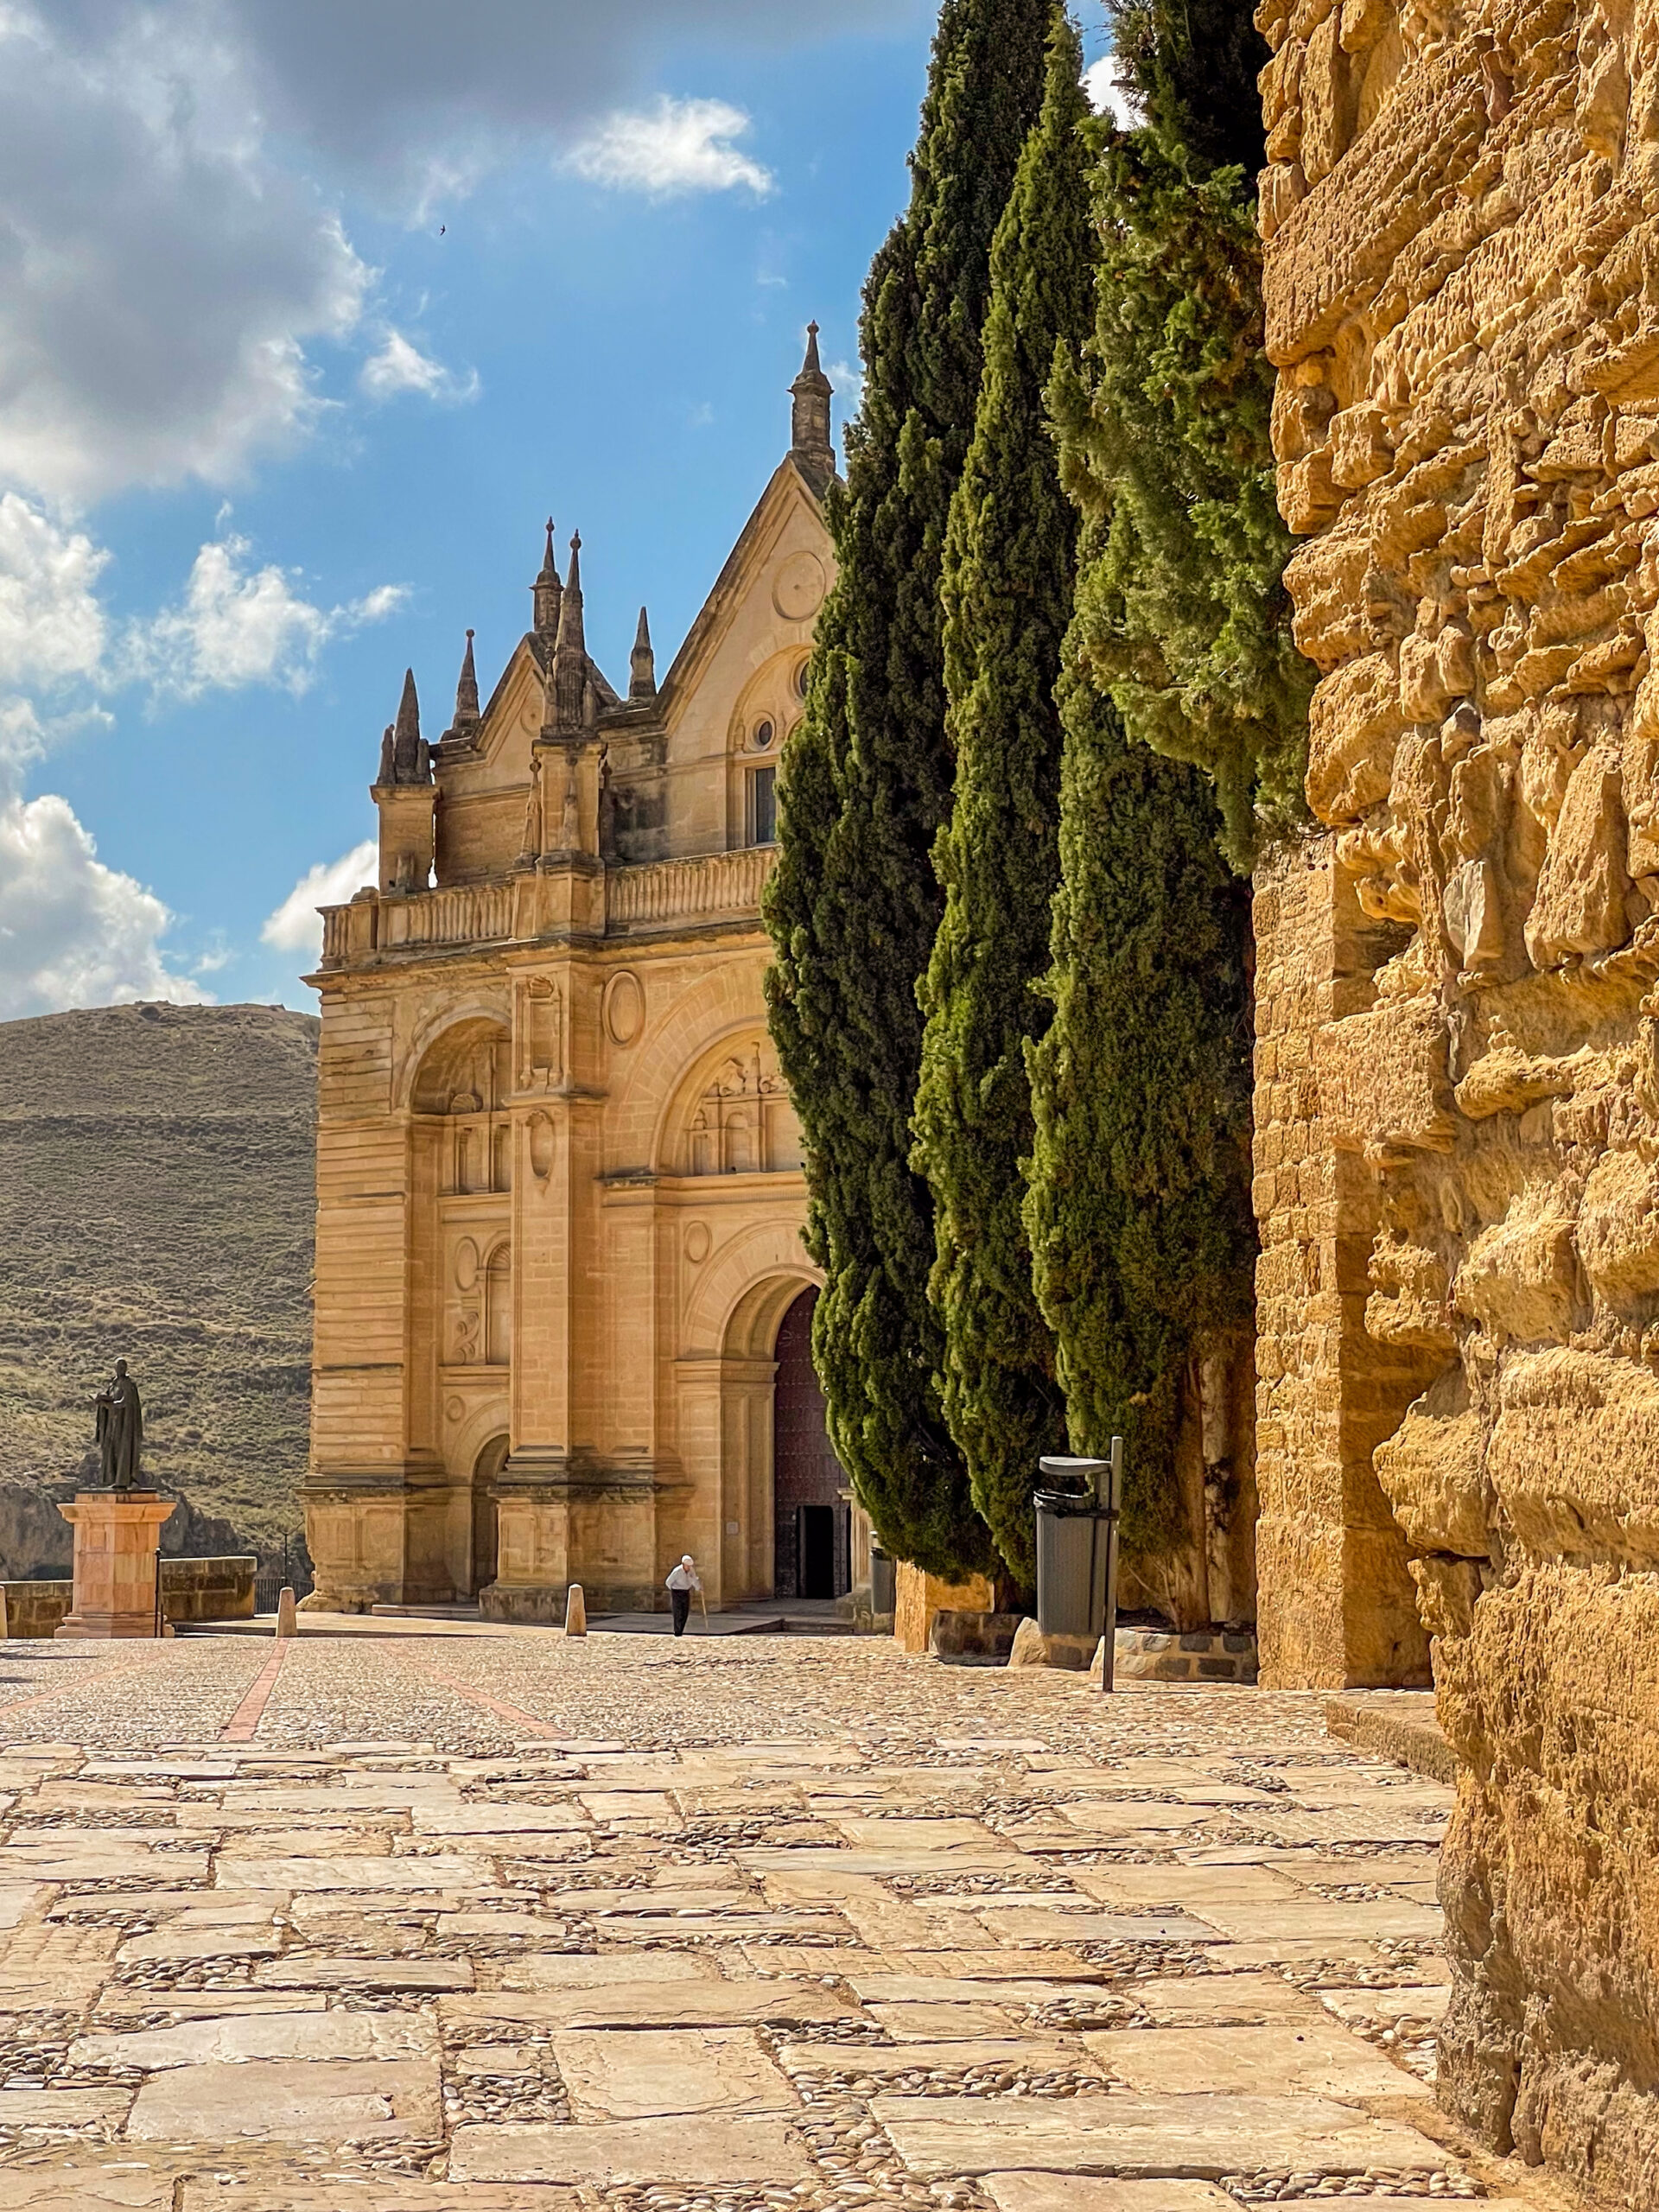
(116, 1533)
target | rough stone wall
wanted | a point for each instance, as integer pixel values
(1462, 212)
(1337, 1606)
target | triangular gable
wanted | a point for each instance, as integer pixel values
(786, 490)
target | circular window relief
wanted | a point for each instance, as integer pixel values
(763, 735)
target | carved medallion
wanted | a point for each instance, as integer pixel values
(624, 1008)
(798, 594)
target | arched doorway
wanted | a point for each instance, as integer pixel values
(486, 1529)
(811, 1519)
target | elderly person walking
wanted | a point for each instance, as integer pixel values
(682, 1581)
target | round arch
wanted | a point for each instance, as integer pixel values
(487, 1012)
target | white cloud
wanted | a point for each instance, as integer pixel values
(400, 366)
(1107, 96)
(51, 624)
(237, 625)
(677, 146)
(296, 926)
(73, 932)
(160, 275)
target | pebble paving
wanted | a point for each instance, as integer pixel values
(781, 1924)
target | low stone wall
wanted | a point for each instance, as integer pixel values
(192, 1590)
(34, 1609)
(209, 1589)
(1204, 1655)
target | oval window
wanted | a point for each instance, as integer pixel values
(801, 676)
(764, 734)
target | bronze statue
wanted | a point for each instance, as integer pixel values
(120, 1431)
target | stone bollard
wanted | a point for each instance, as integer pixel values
(287, 1620)
(575, 1612)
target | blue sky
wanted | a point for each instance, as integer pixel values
(308, 315)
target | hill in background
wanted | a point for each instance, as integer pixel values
(157, 1196)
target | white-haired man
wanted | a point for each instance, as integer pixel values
(682, 1581)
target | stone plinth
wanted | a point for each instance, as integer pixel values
(116, 1534)
(919, 1597)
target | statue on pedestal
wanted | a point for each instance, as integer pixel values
(120, 1432)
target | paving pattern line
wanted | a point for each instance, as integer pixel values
(243, 1724)
(489, 1704)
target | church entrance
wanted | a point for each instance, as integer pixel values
(811, 1519)
(486, 1512)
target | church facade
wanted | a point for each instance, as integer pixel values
(561, 1299)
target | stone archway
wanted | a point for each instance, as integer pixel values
(809, 1518)
(485, 1527)
(748, 1369)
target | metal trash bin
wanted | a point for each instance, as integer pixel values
(1072, 1533)
(884, 1581)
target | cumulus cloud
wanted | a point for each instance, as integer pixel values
(52, 626)
(413, 95)
(73, 932)
(676, 147)
(160, 275)
(1108, 95)
(172, 252)
(296, 926)
(237, 625)
(400, 366)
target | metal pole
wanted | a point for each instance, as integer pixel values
(1111, 1504)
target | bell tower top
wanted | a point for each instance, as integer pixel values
(811, 391)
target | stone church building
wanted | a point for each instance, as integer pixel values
(562, 1306)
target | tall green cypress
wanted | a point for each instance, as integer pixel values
(853, 904)
(1009, 561)
(1138, 1209)
(1182, 694)
(1183, 616)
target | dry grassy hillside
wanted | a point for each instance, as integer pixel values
(157, 1198)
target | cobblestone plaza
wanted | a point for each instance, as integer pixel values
(430, 1917)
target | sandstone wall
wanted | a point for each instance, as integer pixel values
(1462, 211)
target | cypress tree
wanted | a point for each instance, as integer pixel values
(1138, 1209)
(1009, 561)
(1184, 706)
(1183, 616)
(854, 904)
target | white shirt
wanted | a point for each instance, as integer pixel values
(683, 1578)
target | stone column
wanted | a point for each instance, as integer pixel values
(116, 1542)
(1337, 1606)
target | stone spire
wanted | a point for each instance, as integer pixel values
(808, 446)
(466, 715)
(410, 760)
(568, 687)
(545, 591)
(642, 662)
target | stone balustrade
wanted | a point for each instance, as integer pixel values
(654, 895)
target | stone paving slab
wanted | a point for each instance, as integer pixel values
(320, 2100)
(1197, 2136)
(365, 2196)
(654, 2072)
(89, 2188)
(1302, 2054)
(633, 2154)
(1083, 2193)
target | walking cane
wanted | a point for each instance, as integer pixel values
(704, 1602)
